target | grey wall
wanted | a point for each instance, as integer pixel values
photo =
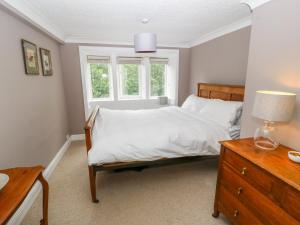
(33, 114)
(274, 62)
(222, 60)
(73, 85)
(184, 74)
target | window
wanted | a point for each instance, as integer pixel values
(130, 80)
(100, 77)
(119, 78)
(158, 76)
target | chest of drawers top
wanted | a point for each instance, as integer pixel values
(274, 162)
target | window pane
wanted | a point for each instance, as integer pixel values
(130, 79)
(157, 79)
(100, 80)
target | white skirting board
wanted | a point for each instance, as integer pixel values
(77, 137)
(19, 215)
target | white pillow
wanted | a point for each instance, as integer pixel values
(194, 103)
(224, 113)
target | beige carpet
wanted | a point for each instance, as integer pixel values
(172, 195)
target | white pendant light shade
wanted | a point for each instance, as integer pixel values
(145, 42)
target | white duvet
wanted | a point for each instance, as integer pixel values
(145, 135)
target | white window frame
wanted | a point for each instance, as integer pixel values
(166, 82)
(141, 84)
(89, 84)
(116, 102)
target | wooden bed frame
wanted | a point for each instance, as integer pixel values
(212, 91)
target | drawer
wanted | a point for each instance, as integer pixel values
(291, 202)
(265, 209)
(234, 210)
(250, 172)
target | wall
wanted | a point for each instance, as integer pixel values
(274, 62)
(222, 60)
(184, 74)
(73, 85)
(33, 113)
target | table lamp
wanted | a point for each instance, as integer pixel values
(272, 107)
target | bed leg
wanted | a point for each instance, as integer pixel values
(92, 174)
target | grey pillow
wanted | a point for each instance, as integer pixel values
(237, 120)
(234, 132)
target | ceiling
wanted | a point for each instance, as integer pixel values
(179, 23)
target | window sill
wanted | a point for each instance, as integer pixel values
(132, 99)
(157, 97)
(125, 100)
(101, 100)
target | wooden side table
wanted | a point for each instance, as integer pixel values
(21, 180)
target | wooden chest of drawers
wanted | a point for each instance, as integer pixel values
(257, 187)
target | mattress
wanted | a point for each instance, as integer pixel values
(147, 135)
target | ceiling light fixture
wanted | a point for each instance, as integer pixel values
(145, 42)
(145, 20)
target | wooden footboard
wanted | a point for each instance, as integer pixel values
(88, 128)
(124, 165)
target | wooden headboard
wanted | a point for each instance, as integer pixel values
(220, 91)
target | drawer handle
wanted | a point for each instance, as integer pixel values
(236, 213)
(239, 190)
(244, 170)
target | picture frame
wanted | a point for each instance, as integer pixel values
(46, 62)
(30, 57)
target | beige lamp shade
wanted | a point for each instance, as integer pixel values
(274, 106)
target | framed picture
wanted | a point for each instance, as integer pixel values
(46, 62)
(30, 56)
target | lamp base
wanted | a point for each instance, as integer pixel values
(264, 137)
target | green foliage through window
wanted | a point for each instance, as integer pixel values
(100, 80)
(130, 79)
(157, 79)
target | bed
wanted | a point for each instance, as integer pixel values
(119, 139)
